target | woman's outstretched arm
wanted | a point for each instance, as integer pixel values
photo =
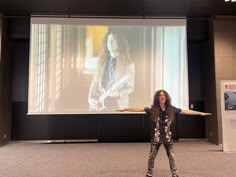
(192, 112)
(133, 109)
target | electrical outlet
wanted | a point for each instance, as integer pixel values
(191, 106)
(5, 136)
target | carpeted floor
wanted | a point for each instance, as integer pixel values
(193, 158)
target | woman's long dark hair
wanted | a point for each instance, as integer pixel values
(156, 106)
(124, 54)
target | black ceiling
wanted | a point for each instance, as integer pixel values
(135, 8)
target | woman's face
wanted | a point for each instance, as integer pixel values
(162, 98)
(112, 46)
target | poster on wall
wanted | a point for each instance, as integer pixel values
(230, 97)
(228, 92)
(228, 113)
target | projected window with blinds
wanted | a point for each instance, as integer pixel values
(39, 72)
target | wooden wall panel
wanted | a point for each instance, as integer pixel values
(225, 57)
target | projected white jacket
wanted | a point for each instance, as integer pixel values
(119, 91)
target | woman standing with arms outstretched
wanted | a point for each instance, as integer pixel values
(162, 114)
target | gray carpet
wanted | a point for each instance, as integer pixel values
(193, 158)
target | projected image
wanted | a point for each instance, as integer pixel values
(96, 65)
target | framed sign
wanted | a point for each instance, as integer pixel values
(228, 114)
(228, 99)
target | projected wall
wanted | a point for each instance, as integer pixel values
(99, 65)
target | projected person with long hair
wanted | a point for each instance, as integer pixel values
(162, 115)
(113, 80)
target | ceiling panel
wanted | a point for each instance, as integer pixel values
(145, 8)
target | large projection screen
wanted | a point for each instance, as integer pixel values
(94, 65)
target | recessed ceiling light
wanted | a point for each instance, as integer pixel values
(227, 0)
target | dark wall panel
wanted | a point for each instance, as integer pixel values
(52, 127)
(5, 84)
(198, 29)
(125, 127)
